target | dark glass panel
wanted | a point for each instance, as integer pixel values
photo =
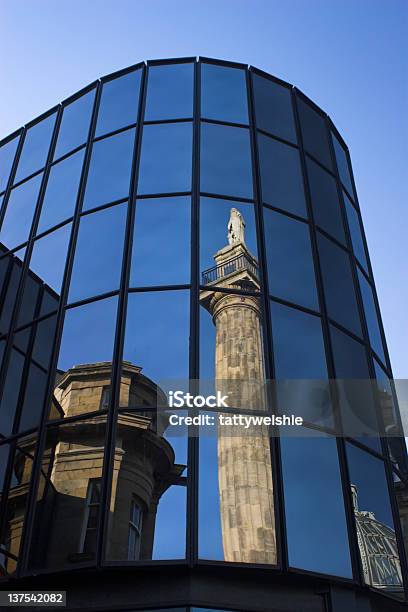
(29, 300)
(4, 453)
(7, 153)
(44, 340)
(166, 158)
(281, 176)
(338, 285)
(169, 92)
(290, 260)
(19, 213)
(11, 391)
(75, 124)
(161, 242)
(11, 293)
(273, 108)
(22, 338)
(34, 397)
(61, 192)
(342, 165)
(49, 256)
(49, 301)
(109, 170)
(35, 148)
(356, 233)
(226, 166)
(98, 257)
(325, 201)
(223, 94)
(314, 506)
(314, 132)
(371, 315)
(119, 103)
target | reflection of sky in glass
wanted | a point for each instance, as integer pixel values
(49, 255)
(314, 132)
(170, 528)
(342, 165)
(7, 153)
(119, 103)
(355, 231)
(223, 94)
(75, 123)
(169, 92)
(20, 211)
(35, 148)
(325, 201)
(210, 536)
(273, 108)
(371, 316)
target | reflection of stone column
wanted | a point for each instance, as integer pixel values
(244, 464)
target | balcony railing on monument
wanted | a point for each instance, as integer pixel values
(237, 264)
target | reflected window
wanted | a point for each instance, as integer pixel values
(338, 285)
(161, 242)
(35, 148)
(169, 92)
(49, 256)
(61, 191)
(98, 257)
(371, 315)
(135, 530)
(314, 132)
(355, 232)
(119, 103)
(273, 108)
(75, 124)
(290, 261)
(19, 213)
(11, 391)
(166, 158)
(109, 170)
(223, 94)
(281, 176)
(90, 524)
(325, 201)
(7, 153)
(343, 165)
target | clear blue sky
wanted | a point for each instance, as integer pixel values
(349, 56)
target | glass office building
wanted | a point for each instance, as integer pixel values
(193, 224)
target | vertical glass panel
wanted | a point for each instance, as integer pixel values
(371, 315)
(169, 92)
(7, 153)
(273, 108)
(281, 176)
(10, 294)
(226, 166)
(109, 170)
(11, 391)
(61, 191)
(290, 260)
(34, 397)
(325, 201)
(4, 453)
(98, 255)
(316, 527)
(338, 285)
(19, 213)
(314, 132)
(374, 521)
(343, 165)
(166, 158)
(161, 242)
(228, 249)
(356, 233)
(44, 341)
(119, 103)
(75, 124)
(29, 300)
(35, 148)
(223, 94)
(48, 258)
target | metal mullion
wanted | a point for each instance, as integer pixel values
(107, 78)
(230, 198)
(287, 213)
(171, 194)
(147, 288)
(267, 336)
(288, 143)
(105, 136)
(225, 63)
(70, 153)
(53, 228)
(90, 211)
(305, 309)
(35, 474)
(12, 174)
(348, 506)
(208, 120)
(110, 435)
(165, 121)
(92, 298)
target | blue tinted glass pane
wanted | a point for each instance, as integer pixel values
(94, 324)
(290, 261)
(35, 148)
(119, 103)
(281, 176)
(98, 255)
(226, 166)
(355, 231)
(350, 359)
(161, 242)
(169, 92)
(34, 397)
(75, 123)
(371, 316)
(10, 392)
(342, 165)
(7, 153)
(314, 132)
(61, 191)
(48, 257)
(338, 285)
(109, 171)
(223, 94)
(273, 108)
(297, 343)
(325, 201)
(166, 157)
(314, 507)
(9, 298)
(4, 452)
(29, 300)
(19, 213)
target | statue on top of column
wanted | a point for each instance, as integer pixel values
(236, 227)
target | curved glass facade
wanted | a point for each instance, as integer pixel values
(193, 224)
